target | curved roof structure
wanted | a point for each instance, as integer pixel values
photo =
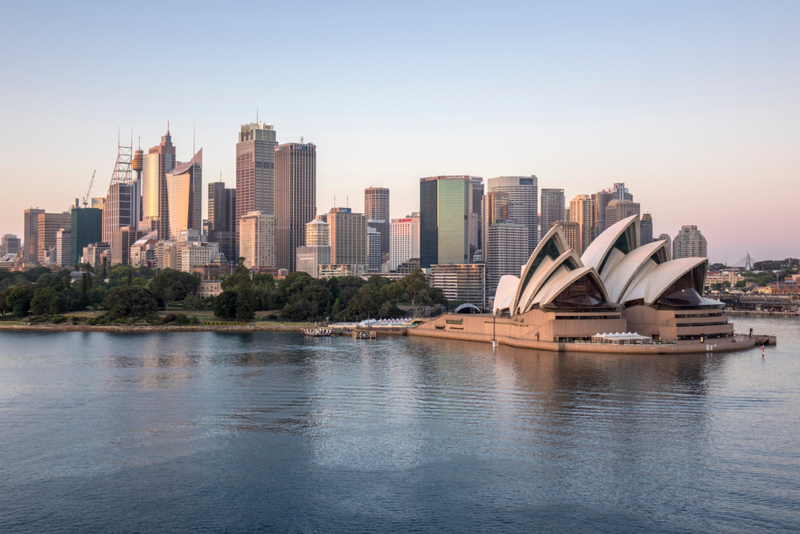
(506, 290)
(552, 245)
(649, 289)
(618, 276)
(566, 262)
(622, 237)
(467, 308)
(582, 297)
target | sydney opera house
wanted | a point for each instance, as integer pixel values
(616, 290)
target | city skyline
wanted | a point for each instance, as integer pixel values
(665, 100)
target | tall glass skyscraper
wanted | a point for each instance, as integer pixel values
(185, 194)
(449, 219)
(376, 208)
(295, 199)
(255, 170)
(155, 206)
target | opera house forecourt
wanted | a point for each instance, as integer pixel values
(617, 297)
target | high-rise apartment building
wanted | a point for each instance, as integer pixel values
(185, 194)
(156, 164)
(523, 202)
(376, 208)
(449, 219)
(30, 236)
(552, 207)
(222, 219)
(10, 244)
(295, 199)
(86, 225)
(689, 243)
(620, 209)
(405, 240)
(507, 252)
(48, 225)
(63, 247)
(255, 169)
(348, 237)
(257, 239)
(318, 232)
(317, 250)
(581, 211)
(646, 229)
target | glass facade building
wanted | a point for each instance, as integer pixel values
(449, 219)
(185, 194)
(86, 228)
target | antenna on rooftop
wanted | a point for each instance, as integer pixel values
(301, 139)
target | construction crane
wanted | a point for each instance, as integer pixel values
(86, 196)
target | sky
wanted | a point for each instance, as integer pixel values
(694, 105)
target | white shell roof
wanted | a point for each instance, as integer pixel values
(650, 288)
(563, 282)
(617, 277)
(505, 292)
(557, 235)
(546, 268)
(602, 245)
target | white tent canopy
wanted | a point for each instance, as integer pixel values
(622, 337)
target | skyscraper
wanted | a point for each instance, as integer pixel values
(494, 207)
(552, 207)
(63, 244)
(185, 194)
(572, 232)
(123, 201)
(30, 236)
(581, 211)
(295, 198)
(10, 244)
(620, 192)
(373, 249)
(508, 251)
(48, 225)
(86, 226)
(668, 239)
(348, 237)
(601, 200)
(646, 229)
(317, 250)
(405, 240)
(523, 202)
(449, 219)
(376, 208)
(255, 170)
(257, 239)
(155, 204)
(222, 218)
(620, 209)
(689, 243)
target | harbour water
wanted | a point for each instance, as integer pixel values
(274, 432)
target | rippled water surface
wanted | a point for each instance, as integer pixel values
(207, 432)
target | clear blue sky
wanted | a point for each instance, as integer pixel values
(695, 105)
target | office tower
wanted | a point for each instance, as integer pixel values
(222, 219)
(10, 244)
(348, 237)
(86, 226)
(30, 236)
(122, 206)
(494, 207)
(508, 251)
(581, 211)
(124, 239)
(255, 170)
(405, 240)
(523, 203)
(572, 232)
(668, 239)
(689, 243)
(601, 200)
(552, 207)
(620, 192)
(620, 209)
(318, 233)
(155, 204)
(185, 195)
(465, 282)
(63, 245)
(257, 239)
(48, 225)
(295, 198)
(373, 249)
(646, 229)
(376, 208)
(449, 219)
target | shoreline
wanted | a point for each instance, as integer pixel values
(131, 329)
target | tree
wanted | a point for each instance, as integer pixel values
(119, 275)
(192, 302)
(170, 285)
(86, 284)
(48, 280)
(224, 304)
(245, 303)
(414, 283)
(19, 300)
(47, 301)
(129, 301)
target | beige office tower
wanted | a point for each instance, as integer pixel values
(295, 199)
(64, 247)
(255, 170)
(48, 225)
(494, 207)
(317, 233)
(581, 211)
(572, 231)
(376, 209)
(124, 239)
(620, 209)
(30, 236)
(155, 204)
(185, 194)
(552, 207)
(257, 239)
(523, 203)
(689, 243)
(405, 240)
(348, 237)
